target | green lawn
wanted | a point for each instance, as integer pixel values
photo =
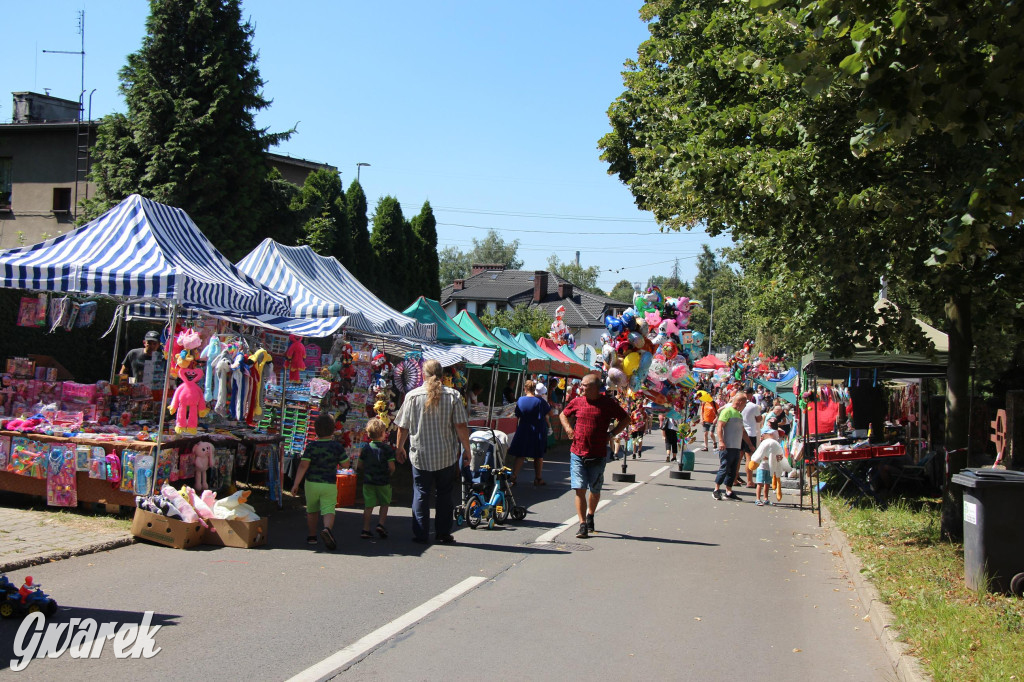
(958, 634)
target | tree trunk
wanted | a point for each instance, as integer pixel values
(961, 345)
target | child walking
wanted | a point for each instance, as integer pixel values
(377, 462)
(319, 467)
(765, 457)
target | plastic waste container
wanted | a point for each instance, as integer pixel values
(687, 461)
(993, 532)
(346, 489)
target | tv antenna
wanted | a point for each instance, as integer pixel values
(81, 32)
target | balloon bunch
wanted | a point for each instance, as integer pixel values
(558, 329)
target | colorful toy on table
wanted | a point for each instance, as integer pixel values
(61, 481)
(144, 472)
(127, 483)
(188, 401)
(295, 358)
(28, 457)
(203, 452)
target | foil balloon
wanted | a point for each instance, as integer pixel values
(636, 381)
(617, 378)
(688, 381)
(669, 350)
(704, 396)
(645, 363)
(698, 338)
(636, 340)
(631, 363)
(678, 373)
(614, 325)
(659, 370)
(629, 320)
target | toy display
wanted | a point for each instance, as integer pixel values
(295, 358)
(61, 481)
(188, 401)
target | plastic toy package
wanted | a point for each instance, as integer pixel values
(28, 457)
(61, 481)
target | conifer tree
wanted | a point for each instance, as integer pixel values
(322, 201)
(189, 138)
(363, 265)
(388, 244)
(424, 225)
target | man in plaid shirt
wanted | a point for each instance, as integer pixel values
(433, 420)
(592, 414)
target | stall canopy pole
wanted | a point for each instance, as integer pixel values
(490, 402)
(163, 398)
(119, 318)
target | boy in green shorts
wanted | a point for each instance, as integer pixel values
(377, 462)
(319, 466)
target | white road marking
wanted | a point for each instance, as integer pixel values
(628, 488)
(661, 470)
(333, 664)
(558, 530)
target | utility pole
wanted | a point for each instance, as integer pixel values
(711, 322)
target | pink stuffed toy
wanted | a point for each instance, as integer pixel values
(203, 451)
(188, 400)
(295, 357)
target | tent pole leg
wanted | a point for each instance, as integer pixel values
(163, 398)
(119, 313)
(490, 402)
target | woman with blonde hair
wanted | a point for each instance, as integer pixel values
(433, 421)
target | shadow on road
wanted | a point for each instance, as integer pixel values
(646, 538)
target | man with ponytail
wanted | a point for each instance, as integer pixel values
(433, 421)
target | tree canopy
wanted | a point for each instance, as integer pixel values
(424, 225)
(455, 264)
(622, 291)
(533, 320)
(581, 277)
(389, 240)
(321, 209)
(762, 125)
(189, 137)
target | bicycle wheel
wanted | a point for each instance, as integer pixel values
(474, 511)
(505, 505)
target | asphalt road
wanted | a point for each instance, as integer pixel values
(674, 585)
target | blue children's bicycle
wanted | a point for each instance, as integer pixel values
(497, 509)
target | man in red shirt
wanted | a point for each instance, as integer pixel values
(591, 415)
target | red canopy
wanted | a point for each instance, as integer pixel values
(551, 348)
(709, 362)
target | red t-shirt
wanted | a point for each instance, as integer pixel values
(590, 434)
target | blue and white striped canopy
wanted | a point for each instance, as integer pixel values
(140, 250)
(321, 287)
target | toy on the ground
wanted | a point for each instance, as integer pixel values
(188, 401)
(28, 599)
(203, 451)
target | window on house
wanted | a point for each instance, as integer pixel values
(5, 182)
(460, 305)
(61, 199)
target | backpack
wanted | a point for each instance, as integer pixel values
(113, 462)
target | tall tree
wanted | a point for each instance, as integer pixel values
(189, 138)
(363, 266)
(425, 227)
(746, 122)
(388, 242)
(581, 277)
(522, 318)
(321, 199)
(494, 249)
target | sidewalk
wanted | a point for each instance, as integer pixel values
(29, 538)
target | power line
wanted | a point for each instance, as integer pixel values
(551, 216)
(576, 232)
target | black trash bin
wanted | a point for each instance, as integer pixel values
(993, 528)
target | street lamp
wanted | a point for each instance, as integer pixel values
(359, 167)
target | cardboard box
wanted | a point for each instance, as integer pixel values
(166, 531)
(236, 533)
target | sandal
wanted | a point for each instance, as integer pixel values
(539, 481)
(382, 531)
(310, 539)
(366, 535)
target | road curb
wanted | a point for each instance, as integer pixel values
(904, 664)
(39, 559)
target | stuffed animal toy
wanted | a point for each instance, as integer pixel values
(185, 510)
(295, 357)
(198, 502)
(203, 451)
(235, 507)
(209, 354)
(188, 401)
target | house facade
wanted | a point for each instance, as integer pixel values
(491, 288)
(44, 164)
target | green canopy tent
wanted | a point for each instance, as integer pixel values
(783, 389)
(510, 359)
(571, 354)
(430, 312)
(555, 365)
(537, 361)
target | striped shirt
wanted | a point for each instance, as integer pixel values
(433, 441)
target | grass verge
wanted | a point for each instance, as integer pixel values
(958, 634)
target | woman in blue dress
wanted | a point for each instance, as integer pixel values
(531, 437)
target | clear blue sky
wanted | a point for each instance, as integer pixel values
(491, 111)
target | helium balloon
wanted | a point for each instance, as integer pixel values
(659, 370)
(678, 373)
(645, 363)
(669, 350)
(704, 396)
(688, 381)
(629, 320)
(617, 378)
(630, 363)
(698, 338)
(636, 340)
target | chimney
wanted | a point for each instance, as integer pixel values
(565, 290)
(484, 267)
(540, 285)
(458, 284)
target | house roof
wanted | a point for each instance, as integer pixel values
(515, 287)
